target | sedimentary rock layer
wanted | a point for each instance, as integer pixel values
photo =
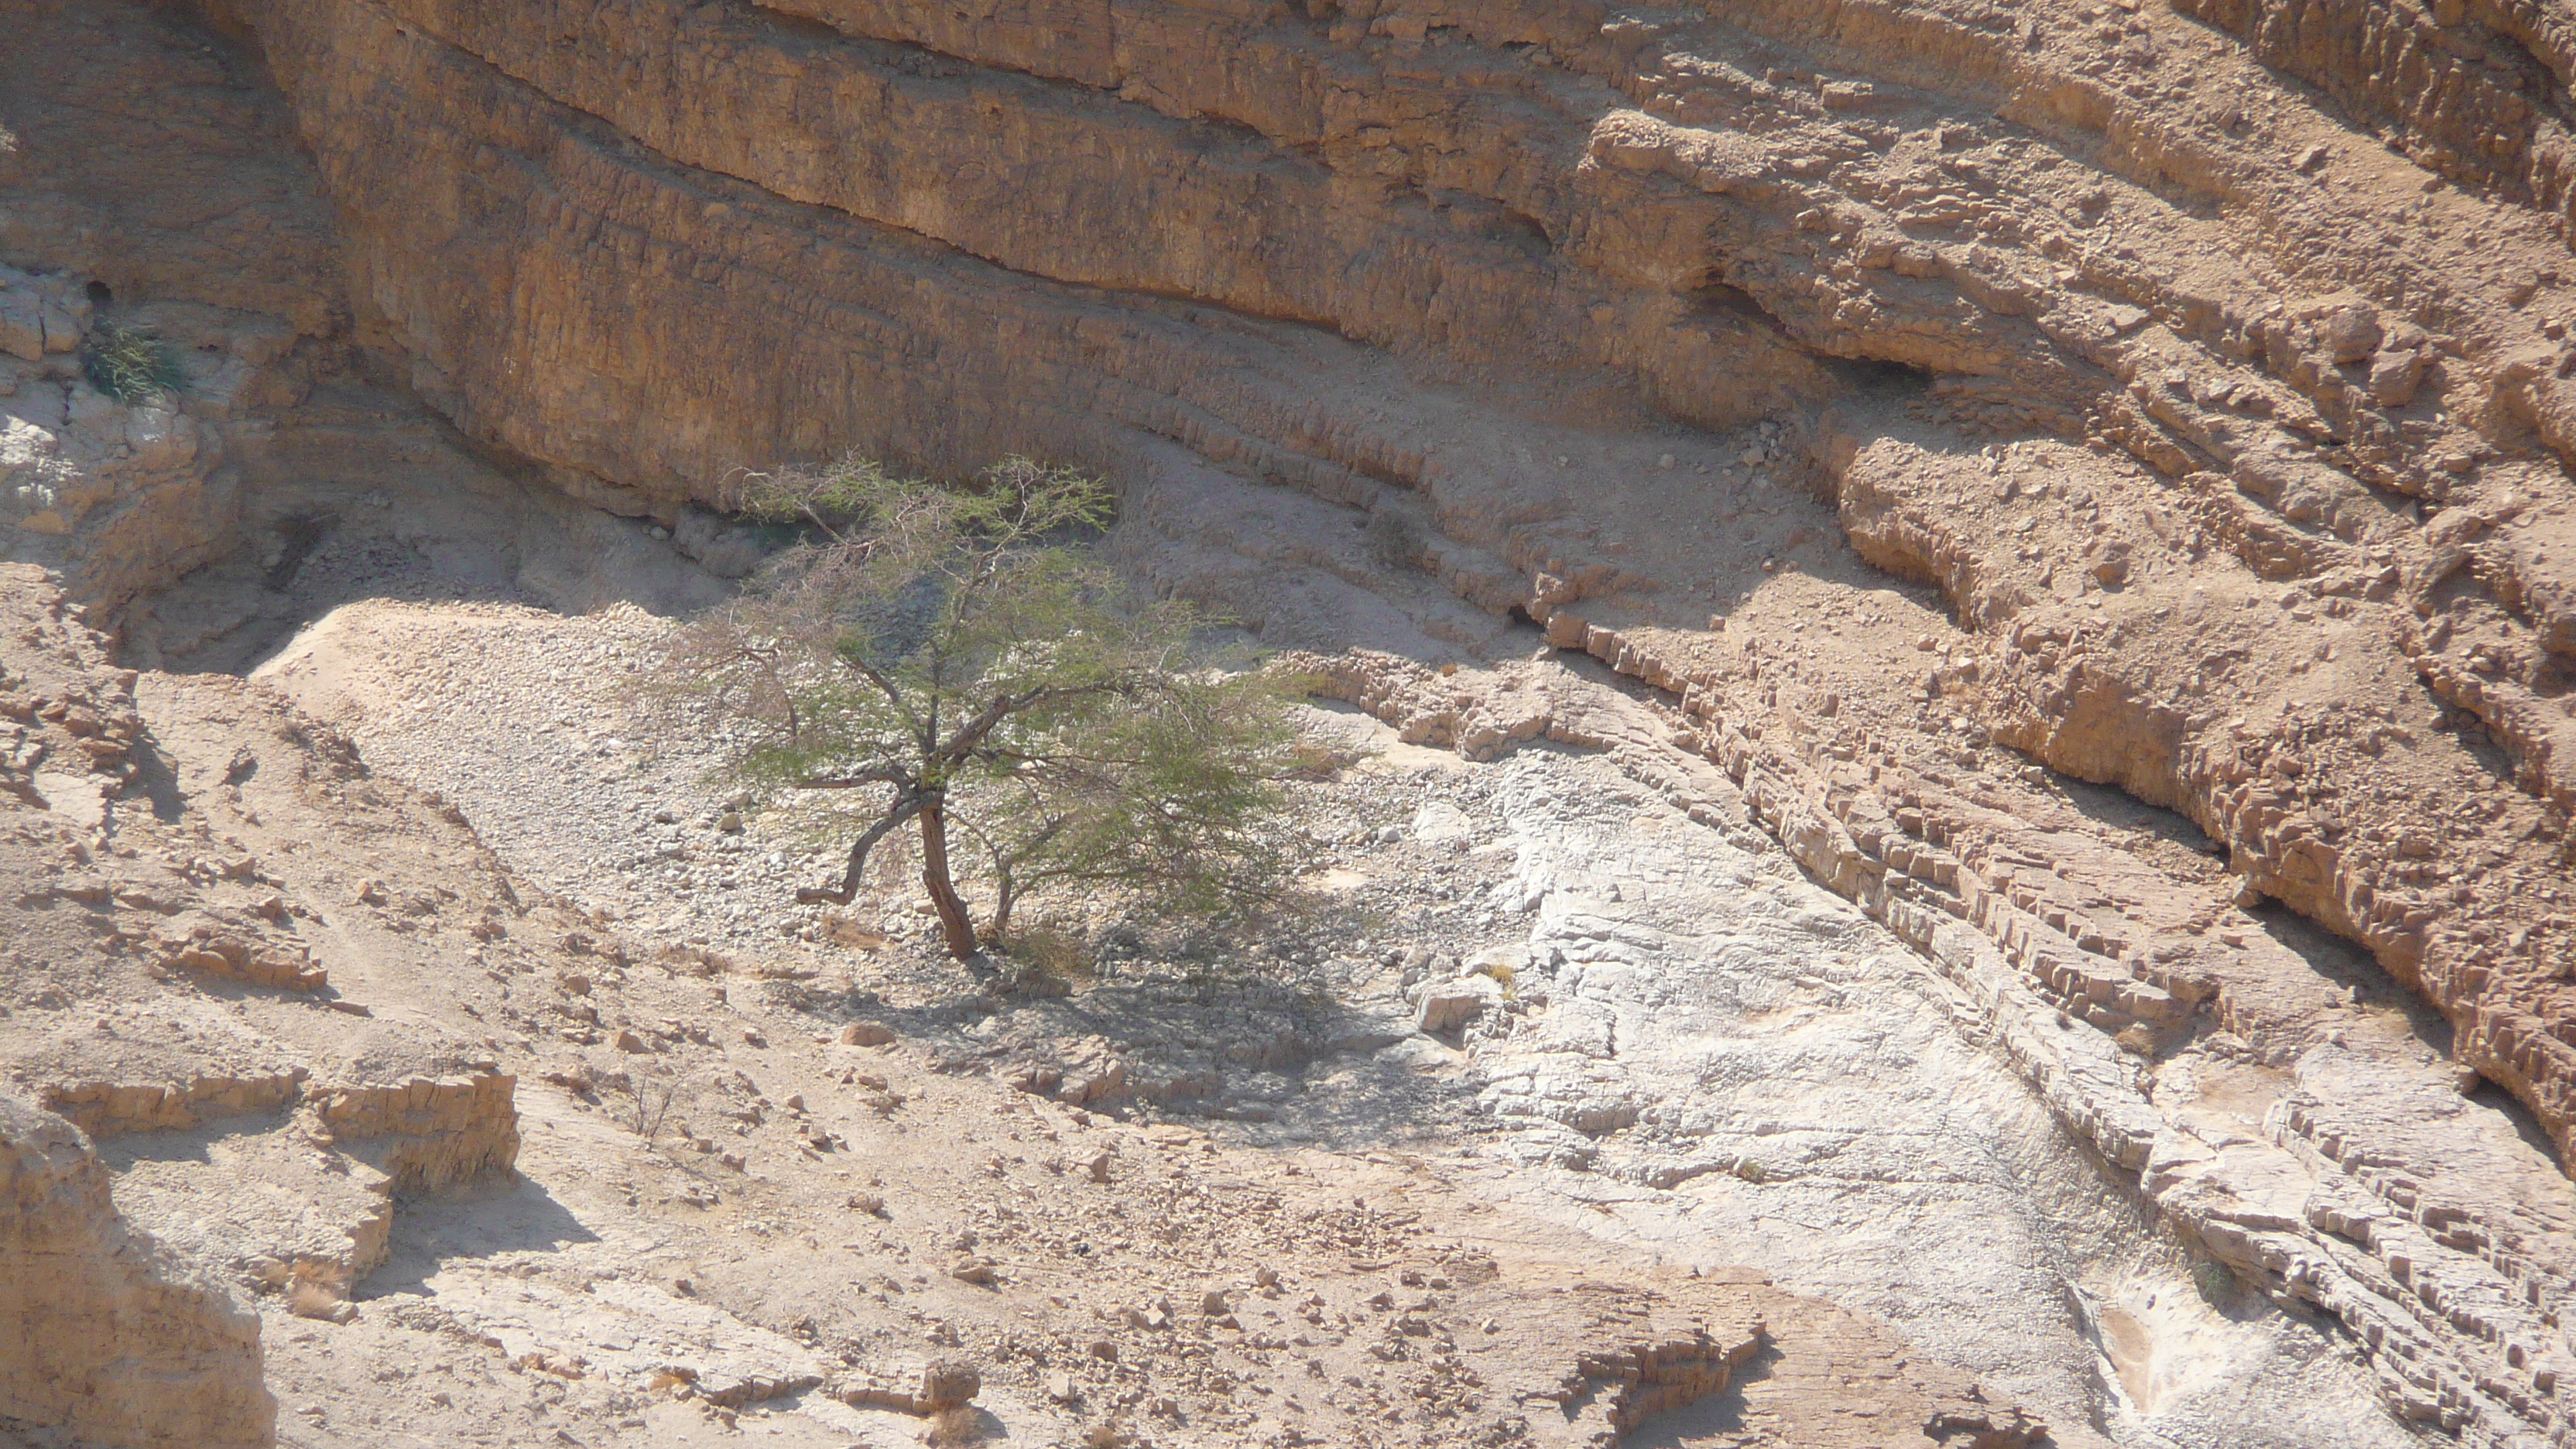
(2232, 443)
(111, 1335)
(706, 238)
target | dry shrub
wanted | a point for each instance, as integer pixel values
(1054, 952)
(956, 1425)
(317, 1290)
(312, 1300)
(1107, 1434)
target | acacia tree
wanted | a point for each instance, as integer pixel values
(959, 659)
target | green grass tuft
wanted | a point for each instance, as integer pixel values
(132, 365)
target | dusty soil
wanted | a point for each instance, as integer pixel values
(724, 1217)
(1706, 1063)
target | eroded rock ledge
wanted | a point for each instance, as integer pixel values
(114, 1336)
(689, 244)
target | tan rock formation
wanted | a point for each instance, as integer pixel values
(2215, 437)
(109, 1109)
(1586, 196)
(428, 1134)
(112, 1335)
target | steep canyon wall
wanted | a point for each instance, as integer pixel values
(2205, 366)
(645, 243)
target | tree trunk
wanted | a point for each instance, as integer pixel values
(954, 924)
(1005, 896)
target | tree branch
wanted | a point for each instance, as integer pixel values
(972, 732)
(906, 805)
(878, 776)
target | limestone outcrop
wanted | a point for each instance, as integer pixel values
(430, 1134)
(710, 238)
(114, 1337)
(1930, 411)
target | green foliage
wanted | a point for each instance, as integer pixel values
(131, 364)
(960, 657)
(2212, 1278)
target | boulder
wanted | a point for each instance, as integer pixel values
(22, 327)
(947, 1383)
(1448, 1005)
(2394, 374)
(2351, 332)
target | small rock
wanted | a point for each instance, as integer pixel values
(947, 1383)
(2351, 332)
(866, 1033)
(1450, 1004)
(1104, 1349)
(849, 931)
(628, 1041)
(1059, 1387)
(2394, 376)
(372, 892)
(1213, 1304)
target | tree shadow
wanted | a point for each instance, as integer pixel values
(1222, 1045)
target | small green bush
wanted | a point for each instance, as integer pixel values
(131, 365)
(2215, 1282)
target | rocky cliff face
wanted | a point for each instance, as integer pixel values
(2176, 396)
(1405, 257)
(115, 1337)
